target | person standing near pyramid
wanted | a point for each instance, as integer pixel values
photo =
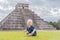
(31, 31)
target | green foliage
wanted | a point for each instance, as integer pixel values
(56, 24)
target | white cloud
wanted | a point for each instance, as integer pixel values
(46, 9)
(3, 1)
(7, 8)
(55, 12)
(2, 16)
(10, 8)
(1, 8)
(27, 0)
(47, 13)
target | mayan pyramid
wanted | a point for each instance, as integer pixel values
(16, 20)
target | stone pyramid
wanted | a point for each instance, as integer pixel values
(16, 20)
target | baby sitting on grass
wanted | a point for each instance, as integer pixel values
(31, 31)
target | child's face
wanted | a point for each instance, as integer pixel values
(29, 23)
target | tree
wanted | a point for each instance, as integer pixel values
(53, 23)
(58, 24)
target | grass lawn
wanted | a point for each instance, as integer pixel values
(21, 35)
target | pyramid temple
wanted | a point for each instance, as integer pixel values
(16, 20)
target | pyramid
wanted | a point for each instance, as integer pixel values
(16, 20)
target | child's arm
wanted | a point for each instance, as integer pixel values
(32, 32)
(25, 30)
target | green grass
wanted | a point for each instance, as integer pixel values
(21, 35)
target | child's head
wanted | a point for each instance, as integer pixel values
(29, 22)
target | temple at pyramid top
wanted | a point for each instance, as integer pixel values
(22, 6)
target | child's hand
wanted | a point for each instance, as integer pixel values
(30, 34)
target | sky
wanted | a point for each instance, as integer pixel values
(49, 10)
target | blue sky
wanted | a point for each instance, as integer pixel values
(49, 10)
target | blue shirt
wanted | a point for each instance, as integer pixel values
(30, 29)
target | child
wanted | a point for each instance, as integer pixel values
(31, 28)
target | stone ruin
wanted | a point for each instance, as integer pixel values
(16, 20)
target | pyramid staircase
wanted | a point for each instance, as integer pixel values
(17, 19)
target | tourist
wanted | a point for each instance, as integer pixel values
(31, 31)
